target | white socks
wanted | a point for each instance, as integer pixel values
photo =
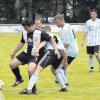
(61, 77)
(32, 81)
(91, 61)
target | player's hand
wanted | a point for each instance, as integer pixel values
(12, 56)
(36, 52)
(58, 54)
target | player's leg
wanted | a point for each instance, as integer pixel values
(69, 61)
(65, 78)
(90, 52)
(59, 73)
(19, 60)
(52, 68)
(34, 77)
(32, 64)
(65, 69)
(31, 69)
(63, 65)
(53, 72)
(91, 62)
(15, 69)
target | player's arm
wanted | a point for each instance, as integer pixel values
(65, 55)
(46, 37)
(41, 45)
(54, 45)
(18, 47)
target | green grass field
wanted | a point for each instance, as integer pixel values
(83, 85)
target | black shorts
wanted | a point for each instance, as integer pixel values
(26, 58)
(50, 58)
(92, 49)
(70, 59)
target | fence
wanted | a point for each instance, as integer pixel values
(18, 28)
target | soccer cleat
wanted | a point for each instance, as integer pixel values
(63, 90)
(29, 92)
(91, 70)
(17, 83)
(25, 91)
(34, 90)
(67, 84)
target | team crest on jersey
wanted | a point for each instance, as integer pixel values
(30, 40)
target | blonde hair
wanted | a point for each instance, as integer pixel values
(39, 19)
(58, 17)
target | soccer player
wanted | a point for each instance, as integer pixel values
(39, 23)
(68, 39)
(59, 73)
(16, 71)
(92, 36)
(31, 36)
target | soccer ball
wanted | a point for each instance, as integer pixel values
(1, 84)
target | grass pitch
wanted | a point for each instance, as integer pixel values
(83, 85)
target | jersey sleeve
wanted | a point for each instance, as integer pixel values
(22, 39)
(45, 36)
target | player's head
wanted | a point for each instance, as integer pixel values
(93, 14)
(28, 24)
(59, 20)
(47, 28)
(39, 22)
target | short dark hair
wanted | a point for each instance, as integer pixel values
(93, 10)
(27, 22)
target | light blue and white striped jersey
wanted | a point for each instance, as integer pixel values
(92, 28)
(68, 37)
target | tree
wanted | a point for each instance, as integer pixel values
(10, 10)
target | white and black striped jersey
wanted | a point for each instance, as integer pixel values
(33, 39)
(92, 28)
